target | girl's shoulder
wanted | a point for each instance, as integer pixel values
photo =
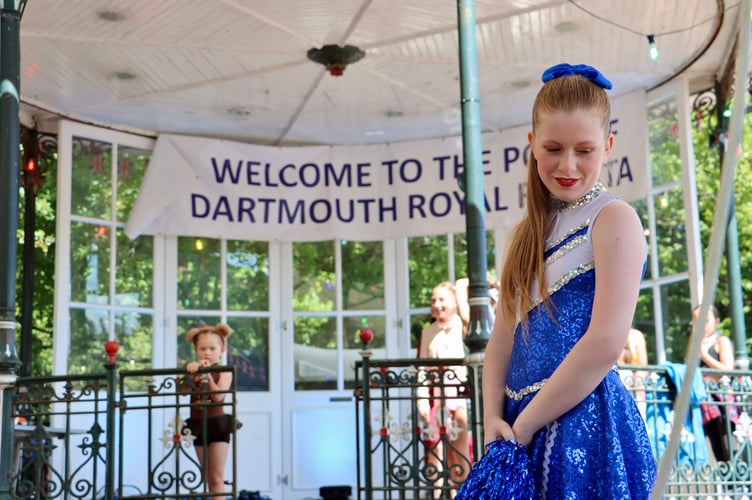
(617, 214)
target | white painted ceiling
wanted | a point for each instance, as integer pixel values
(238, 69)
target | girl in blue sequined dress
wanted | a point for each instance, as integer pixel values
(569, 288)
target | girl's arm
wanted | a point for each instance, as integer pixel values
(619, 250)
(641, 350)
(495, 366)
(725, 359)
(221, 386)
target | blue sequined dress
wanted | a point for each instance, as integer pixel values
(600, 448)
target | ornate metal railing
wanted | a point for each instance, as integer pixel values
(64, 448)
(402, 456)
(165, 454)
(57, 414)
(715, 451)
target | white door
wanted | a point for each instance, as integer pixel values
(330, 290)
(235, 282)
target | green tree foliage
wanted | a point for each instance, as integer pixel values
(710, 138)
(44, 262)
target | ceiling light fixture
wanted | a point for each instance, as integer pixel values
(239, 111)
(566, 27)
(109, 15)
(519, 84)
(336, 58)
(653, 48)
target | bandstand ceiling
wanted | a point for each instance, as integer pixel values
(238, 69)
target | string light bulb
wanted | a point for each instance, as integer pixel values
(653, 48)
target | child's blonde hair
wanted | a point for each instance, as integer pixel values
(221, 329)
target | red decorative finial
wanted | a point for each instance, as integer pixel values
(366, 336)
(112, 348)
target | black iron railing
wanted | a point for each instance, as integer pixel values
(398, 451)
(92, 437)
(63, 448)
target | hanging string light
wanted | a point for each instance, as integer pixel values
(653, 48)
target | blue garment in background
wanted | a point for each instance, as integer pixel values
(659, 416)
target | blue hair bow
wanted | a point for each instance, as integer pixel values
(588, 72)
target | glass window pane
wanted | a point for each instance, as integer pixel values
(314, 285)
(663, 137)
(134, 332)
(677, 318)
(417, 323)
(362, 275)
(644, 320)
(315, 355)
(248, 350)
(641, 207)
(131, 167)
(199, 279)
(671, 232)
(428, 266)
(353, 346)
(88, 333)
(91, 183)
(460, 255)
(186, 353)
(247, 276)
(134, 271)
(353, 325)
(90, 263)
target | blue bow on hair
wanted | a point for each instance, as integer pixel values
(588, 72)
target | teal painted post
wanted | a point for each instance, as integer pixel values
(479, 326)
(733, 266)
(10, 63)
(736, 300)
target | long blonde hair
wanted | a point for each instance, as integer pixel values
(524, 261)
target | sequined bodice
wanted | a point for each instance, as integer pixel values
(599, 448)
(570, 279)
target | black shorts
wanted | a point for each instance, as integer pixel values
(218, 429)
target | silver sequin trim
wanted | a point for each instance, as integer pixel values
(581, 269)
(583, 200)
(525, 391)
(568, 234)
(551, 433)
(580, 240)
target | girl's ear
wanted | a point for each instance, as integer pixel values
(609, 144)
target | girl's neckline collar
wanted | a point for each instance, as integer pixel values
(561, 206)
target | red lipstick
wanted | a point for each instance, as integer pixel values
(566, 182)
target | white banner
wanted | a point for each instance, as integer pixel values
(220, 189)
